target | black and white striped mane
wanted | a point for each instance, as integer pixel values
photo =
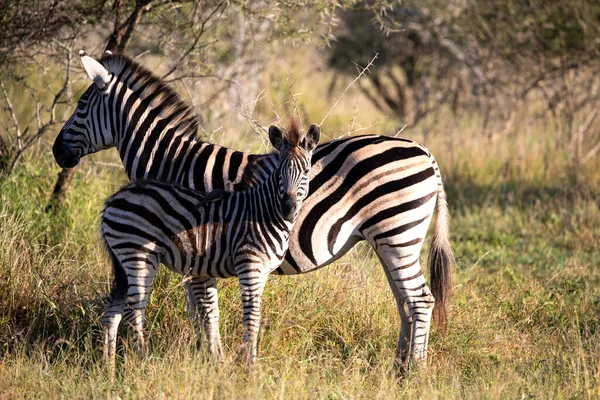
(143, 81)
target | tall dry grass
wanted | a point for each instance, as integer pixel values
(524, 322)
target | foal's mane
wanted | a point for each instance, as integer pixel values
(294, 136)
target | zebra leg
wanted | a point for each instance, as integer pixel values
(190, 301)
(404, 340)
(413, 298)
(113, 312)
(252, 284)
(204, 294)
(140, 276)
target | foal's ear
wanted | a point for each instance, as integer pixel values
(312, 137)
(276, 137)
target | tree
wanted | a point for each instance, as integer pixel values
(484, 55)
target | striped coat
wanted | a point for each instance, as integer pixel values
(219, 235)
(373, 188)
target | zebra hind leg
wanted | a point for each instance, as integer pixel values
(204, 294)
(414, 301)
(404, 340)
(113, 312)
(141, 271)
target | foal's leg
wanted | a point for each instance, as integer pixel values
(204, 294)
(252, 284)
(113, 312)
(140, 273)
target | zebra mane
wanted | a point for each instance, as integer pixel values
(125, 68)
(294, 136)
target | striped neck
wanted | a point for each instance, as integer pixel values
(147, 117)
(266, 204)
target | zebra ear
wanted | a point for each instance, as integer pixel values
(312, 137)
(276, 137)
(95, 70)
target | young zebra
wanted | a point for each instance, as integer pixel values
(243, 234)
(379, 189)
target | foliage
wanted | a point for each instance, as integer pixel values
(488, 55)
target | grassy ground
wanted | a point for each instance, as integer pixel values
(524, 323)
(525, 319)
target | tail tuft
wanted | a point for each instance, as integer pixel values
(441, 262)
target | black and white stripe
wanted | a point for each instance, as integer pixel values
(243, 234)
(376, 188)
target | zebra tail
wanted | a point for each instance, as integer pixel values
(441, 261)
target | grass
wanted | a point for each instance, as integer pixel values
(524, 322)
(525, 319)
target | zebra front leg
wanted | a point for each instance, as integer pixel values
(252, 284)
(205, 296)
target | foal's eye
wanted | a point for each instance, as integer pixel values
(307, 170)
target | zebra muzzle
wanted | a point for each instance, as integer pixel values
(63, 156)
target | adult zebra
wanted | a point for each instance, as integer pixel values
(376, 188)
(243, 234)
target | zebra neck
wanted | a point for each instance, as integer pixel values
(152, 137)
(265, 203)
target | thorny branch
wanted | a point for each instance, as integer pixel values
(362, 72)
(220, 8)
(24, 141)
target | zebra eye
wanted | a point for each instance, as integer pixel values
(307, 170)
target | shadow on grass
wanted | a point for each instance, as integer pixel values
(464, 195)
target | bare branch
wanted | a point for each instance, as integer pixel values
(65, 86)
(43, 127)
(365, 69)
(12, 115)
(220, 7)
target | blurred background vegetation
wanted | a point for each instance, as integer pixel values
(504, 93)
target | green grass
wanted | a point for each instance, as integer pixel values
(524, 323)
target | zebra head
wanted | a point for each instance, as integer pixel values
(88, 130)
(295, 151)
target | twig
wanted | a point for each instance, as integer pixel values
(365, 69)
(12, 115)
(294, 103)
(254, 124)
(212, 135)
(400, 131)
(218, 8)
(108, 164)
(42, 128)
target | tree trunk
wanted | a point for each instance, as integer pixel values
(59, 195)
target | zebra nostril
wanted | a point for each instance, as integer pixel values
(288, 207)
